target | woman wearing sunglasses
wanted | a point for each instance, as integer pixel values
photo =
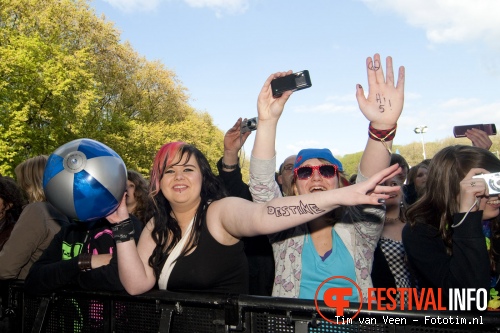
(342, 242)
(192, 243)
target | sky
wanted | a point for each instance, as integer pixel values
(222, 51)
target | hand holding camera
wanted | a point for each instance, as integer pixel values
(274, 95)
(471, 191)
(234, 139)
(459, 131)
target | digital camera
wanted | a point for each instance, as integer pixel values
(493, 182)
(459, 131)
(248, 125)
(295, 81)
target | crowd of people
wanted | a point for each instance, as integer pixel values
(186, 229)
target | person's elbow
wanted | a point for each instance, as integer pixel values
(138, 286)
(7, 272)
(136, 290)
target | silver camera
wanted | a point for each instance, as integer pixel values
(248, 125)
(493, 182)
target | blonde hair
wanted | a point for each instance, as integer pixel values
(29, 176)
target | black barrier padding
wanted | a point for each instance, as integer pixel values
(159, 311)
(200, 319)
(134, 317)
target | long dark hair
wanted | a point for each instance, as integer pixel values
(143, 209)
(166, 231)
(11, 194)
(439, 202)
(412, 176)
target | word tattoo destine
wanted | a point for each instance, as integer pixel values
(293, 210)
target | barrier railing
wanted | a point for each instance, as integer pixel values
(159, 311)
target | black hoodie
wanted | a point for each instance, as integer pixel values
(58, 265)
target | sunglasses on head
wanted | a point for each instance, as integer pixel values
(325, 170)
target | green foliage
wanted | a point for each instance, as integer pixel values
(413, 152)
(43, 79)
(350, 163)
(65, 75)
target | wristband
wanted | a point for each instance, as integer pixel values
(382, 135)
(123, 231)
(85, 262)
(230, 167)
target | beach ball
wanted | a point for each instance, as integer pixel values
(85, 179)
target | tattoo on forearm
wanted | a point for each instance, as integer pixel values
(301, 209)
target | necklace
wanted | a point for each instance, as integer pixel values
(390, 219)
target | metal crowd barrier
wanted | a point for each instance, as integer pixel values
(72, 310)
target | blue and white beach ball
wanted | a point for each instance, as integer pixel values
(85, 179)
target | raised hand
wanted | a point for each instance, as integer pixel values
(233, 139)
(370, 192)
(384, 103)
(270, 110)
(479, 138)
(268, 107)
(120, 214)
(472, 188)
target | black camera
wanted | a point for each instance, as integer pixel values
(459, 131)
(295, 81)
(248, 125)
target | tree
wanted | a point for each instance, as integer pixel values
(350, 163)
(66, 75)
(413, 152)
(45, 81)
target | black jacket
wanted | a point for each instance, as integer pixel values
(467, 267)
(58, 265)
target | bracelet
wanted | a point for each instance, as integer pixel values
(123, 231)
(382, 135)
(85, 262)
(230, 167)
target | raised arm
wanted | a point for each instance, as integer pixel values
(382, 108)
(286, 212)
(233, 141)
(269, 110)
(479, 138)
(229, 166)
(263, 160)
